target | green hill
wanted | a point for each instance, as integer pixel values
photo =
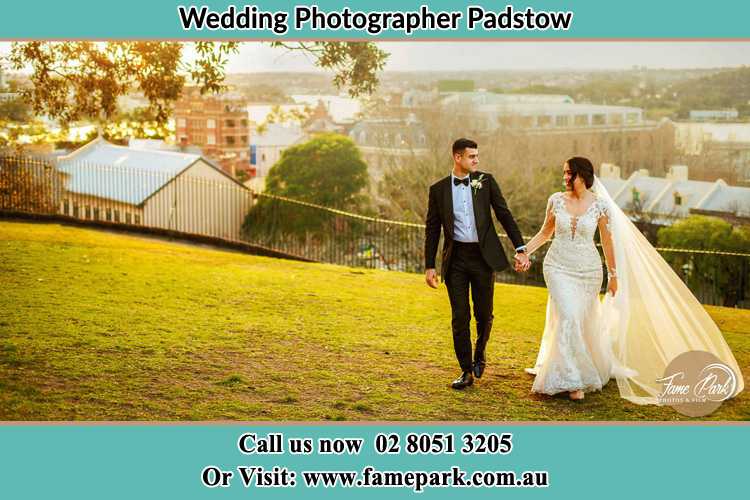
(725, 89)
(101, 326)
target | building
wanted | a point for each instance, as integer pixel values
(662, 200)
(714, 114)
(480, 98)
(218, 125)
(388, 142)
(163, 189)
(320, 120)
(4, 94)
(266, 147)
(715, 150)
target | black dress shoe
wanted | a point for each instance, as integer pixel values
(479, 369)
(465, 380)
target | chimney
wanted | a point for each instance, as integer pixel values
(678, 173)
(609, 171)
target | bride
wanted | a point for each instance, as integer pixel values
(645, 320)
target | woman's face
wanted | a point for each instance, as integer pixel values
(567, 175)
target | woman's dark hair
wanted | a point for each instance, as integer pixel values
(580, 166)
(461, 144)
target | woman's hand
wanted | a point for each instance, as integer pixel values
(612, 285)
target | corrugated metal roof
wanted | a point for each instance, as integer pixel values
(734, 199)
(657, 195)
(120, 173)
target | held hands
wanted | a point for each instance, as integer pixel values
(522, 262)
(430, 277)
(612, 285)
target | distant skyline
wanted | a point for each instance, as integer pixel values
(508, 55)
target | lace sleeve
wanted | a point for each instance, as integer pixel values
(552, 203)
(603, 214)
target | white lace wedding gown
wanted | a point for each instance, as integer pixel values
(633, 336)
(574, 353)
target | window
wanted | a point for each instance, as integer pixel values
(243, 123)
(211, 124)
(109, 214)
(75, 210)
(66, 207)
(561, 121)
(128, 218)
(599, 119)
(230, 140)
(96, 213)
(677, 199)
(211, 139)
(243, 139)
(582, 120)
(544, 121)
(636, 195)
(117, 216)
(137, 219)
(229, 123)
(181, 122)
(88, 212)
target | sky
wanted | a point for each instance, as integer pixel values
(509, 55)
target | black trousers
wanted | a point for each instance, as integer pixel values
(468, 270)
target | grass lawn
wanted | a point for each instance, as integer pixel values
(101, 326)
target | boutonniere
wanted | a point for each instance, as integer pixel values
(476, 184)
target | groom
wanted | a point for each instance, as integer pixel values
(460, 204)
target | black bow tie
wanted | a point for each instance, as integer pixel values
(457, 181)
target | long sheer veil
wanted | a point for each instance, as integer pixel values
(653, 317)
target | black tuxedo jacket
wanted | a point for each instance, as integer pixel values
(440, 214)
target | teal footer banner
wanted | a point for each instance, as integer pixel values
(372, 461)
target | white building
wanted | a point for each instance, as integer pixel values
(169, 190)
(665, 199)
(540, 111)
(714, 114)
(4, 95)
(692, 137)
(266, 147)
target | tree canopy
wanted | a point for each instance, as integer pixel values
(78, 80)
(326, 170)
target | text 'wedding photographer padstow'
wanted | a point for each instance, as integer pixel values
(313, 18)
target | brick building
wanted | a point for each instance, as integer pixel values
(218, 125)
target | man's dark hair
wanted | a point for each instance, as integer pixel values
(461, 144)
(580, 166)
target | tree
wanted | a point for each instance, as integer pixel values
(728, 276)
(29, 185)
(326, 170)
(71, 81)
(15, 110)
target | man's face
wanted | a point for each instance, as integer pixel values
(469, 159)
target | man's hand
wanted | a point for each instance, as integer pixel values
(522, 262)
(430, 277)
(612, 285)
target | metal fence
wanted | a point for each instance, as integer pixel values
(211, 204)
